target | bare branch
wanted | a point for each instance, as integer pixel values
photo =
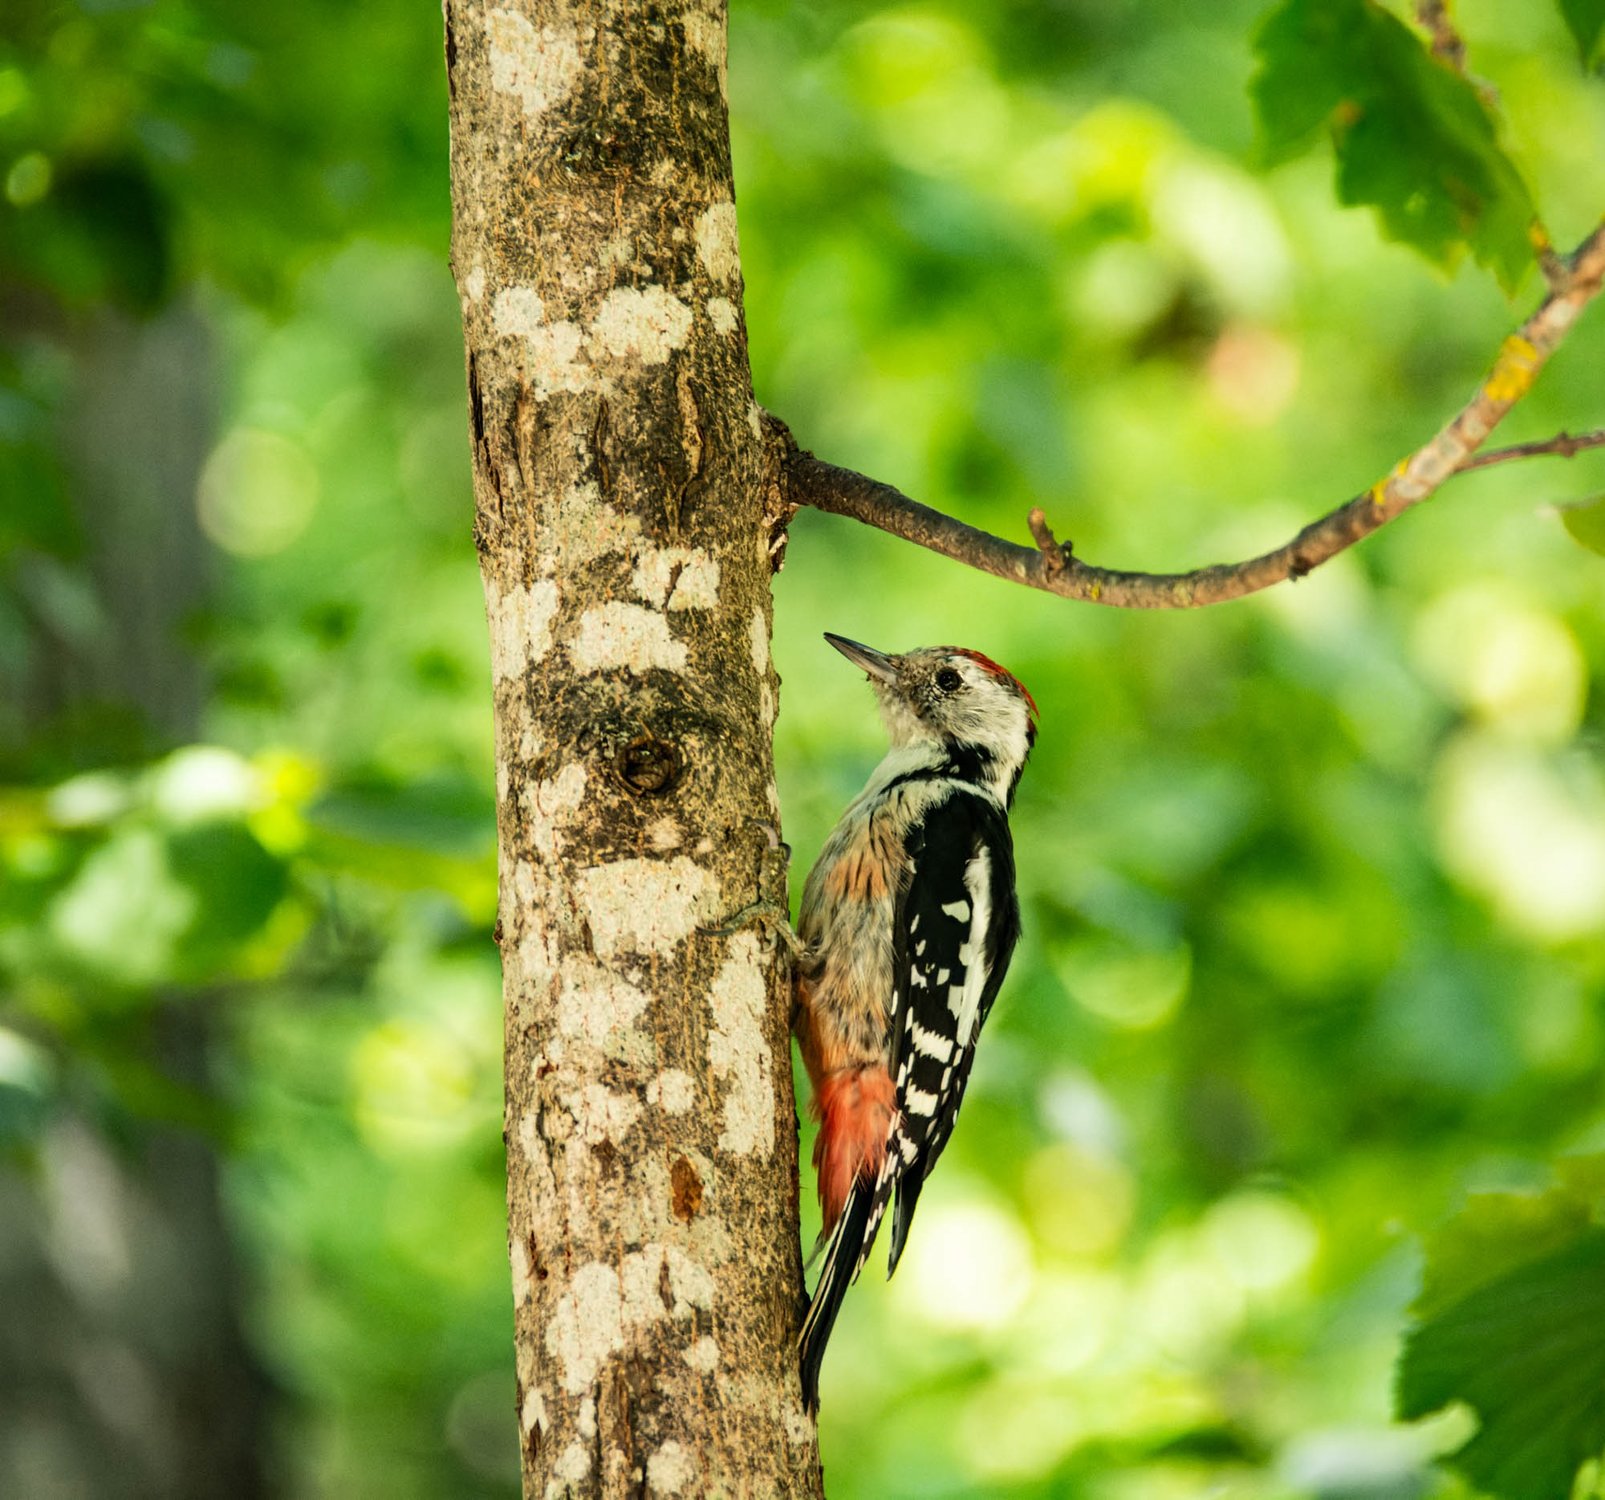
(1047, 566)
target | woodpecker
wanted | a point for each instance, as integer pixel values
(908, 922)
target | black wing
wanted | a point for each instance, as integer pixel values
(954, 933)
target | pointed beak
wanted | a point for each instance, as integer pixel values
(879, 666)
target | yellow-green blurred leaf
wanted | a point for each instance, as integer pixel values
(1585, 520)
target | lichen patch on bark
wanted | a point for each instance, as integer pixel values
(538, 67)
(587, 1326)
(646, 905)
(672, 1091)
(670, 1470)
(520, 624)
(717, 244)
(625, 637)
(550, 806)
(705, 31)
(703, 1355)
(600, 1114)
(648, 322)
(738, 1052)
(676, 577)
(553, 350)
(758, 640)
(600, 1007)
(574, 1464)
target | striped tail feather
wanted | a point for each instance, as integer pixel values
(843, 1256)
(908, 1194)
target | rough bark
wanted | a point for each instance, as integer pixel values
(625, 488)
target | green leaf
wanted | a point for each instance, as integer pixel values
(1527, 1352)
(1585, 520)
(1494, 1234)
(235, 884)
(1585, 19)
(1414, 139)
(1512, 1323)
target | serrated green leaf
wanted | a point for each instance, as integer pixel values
(1585, 19)
(1585, 520)
(1493, 1234)
(1527, 1352)
(1414, 139)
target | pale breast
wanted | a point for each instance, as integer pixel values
(848, 908)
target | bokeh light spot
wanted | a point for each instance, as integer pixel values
(968, 1267)
(257, 493)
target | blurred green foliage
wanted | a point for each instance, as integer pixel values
(1314, 884)
(1586, 19)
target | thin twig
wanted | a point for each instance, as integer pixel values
(1550, 261)
(1562, 445)
(1053, 553)
(1447, 45)
(1451, 451)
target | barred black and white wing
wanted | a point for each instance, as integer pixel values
(956, 927)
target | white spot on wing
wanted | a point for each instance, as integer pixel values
(931, 1044)
(918, 1102)
(978, 881)
(958, 910)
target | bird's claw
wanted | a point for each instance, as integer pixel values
(765, 914)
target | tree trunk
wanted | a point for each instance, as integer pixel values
(624, 488)
(124, 1373)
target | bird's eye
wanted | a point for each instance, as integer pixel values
(948, 680)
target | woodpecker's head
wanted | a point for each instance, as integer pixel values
(954, 701)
